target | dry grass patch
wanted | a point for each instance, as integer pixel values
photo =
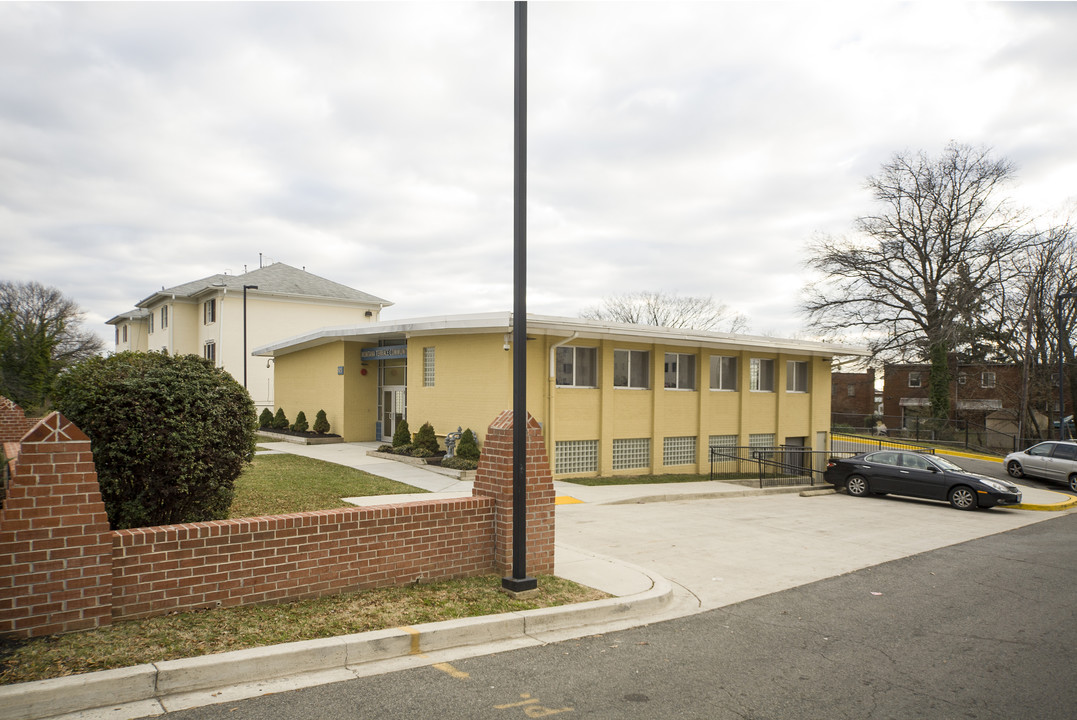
(192, 634)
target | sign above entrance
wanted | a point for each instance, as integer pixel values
(389, 352)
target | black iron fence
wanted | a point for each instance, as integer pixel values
(957, 433)
(780, 466)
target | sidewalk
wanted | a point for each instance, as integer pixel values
(663, 551)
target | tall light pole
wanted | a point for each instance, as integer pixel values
(245, 358)
(1061, 385)
(519, 582)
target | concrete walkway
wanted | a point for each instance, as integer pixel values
(662, 550)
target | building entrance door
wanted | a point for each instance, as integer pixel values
(393, 409)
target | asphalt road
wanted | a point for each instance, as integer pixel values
(983, 629)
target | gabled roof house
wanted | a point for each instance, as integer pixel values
(216, 318)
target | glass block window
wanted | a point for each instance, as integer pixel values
(722, 441)
(575, 456)
(679, 450)
(631, 453)
(761, 440)
(428, 367)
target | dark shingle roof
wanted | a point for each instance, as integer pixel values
(277, 278)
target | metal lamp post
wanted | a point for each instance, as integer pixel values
(245, 358)
(519, 582)
(1061, 369)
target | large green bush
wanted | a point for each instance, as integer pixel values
(170, 434)
(426, 439)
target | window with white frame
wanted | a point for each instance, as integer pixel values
(915, 379)
(680, 371)
(575, 456)
(209, 351)
(761, 375)
(723, 372)
(632, 369)
(631, 453)
(428, 367)
(796, 376)
(987, 379)
(164, 316)
(679, 450)
(850, 390)
(209, 311)
(577, 367)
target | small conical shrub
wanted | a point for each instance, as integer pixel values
(280, 420)
(426, 439)
(467, 448)
(321, 425)
(300, 424)
(402, 436)
(266, 418)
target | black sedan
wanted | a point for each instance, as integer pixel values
(918, 475)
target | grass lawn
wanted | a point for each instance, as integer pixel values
(192, 634)
(278, 484)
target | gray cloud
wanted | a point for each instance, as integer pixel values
(686, 147)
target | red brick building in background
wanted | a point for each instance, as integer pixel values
(852, 398)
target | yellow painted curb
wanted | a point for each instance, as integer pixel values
(565, 500)
(1066, 504)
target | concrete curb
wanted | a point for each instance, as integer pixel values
(1069, 502)
(158, 681)
(674, 497)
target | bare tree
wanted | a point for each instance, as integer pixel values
(666, 310)
(41, 337)
(917, 276)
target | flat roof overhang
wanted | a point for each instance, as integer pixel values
(560, 327)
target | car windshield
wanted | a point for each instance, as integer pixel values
(946, 464)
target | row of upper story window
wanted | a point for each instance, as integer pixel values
(578, 367)
(209, 316)
(919, 379)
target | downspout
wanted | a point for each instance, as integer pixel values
(551, 384)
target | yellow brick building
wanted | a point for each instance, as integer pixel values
(612, 398)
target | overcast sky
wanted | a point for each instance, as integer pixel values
(692, 148)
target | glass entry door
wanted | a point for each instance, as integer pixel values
(393, 409)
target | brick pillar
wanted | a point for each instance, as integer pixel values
(55, 545)
(494, 479)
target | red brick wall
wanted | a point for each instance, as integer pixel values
(287, 557)
(61, 569)
(13, 421)
(55, 548)
(494, 478)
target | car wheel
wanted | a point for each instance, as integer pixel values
(1014, 469)
(963, 498)
(856, 486)
(1073, 482)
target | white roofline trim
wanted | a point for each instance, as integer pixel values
(550, 325)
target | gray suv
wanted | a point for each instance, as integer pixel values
(1052, 460)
